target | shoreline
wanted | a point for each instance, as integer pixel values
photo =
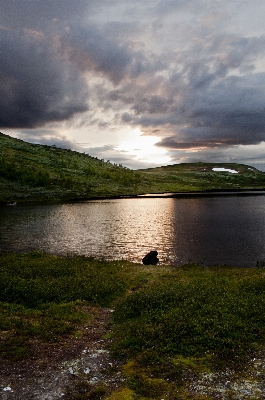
(200, 193)
(205, 193)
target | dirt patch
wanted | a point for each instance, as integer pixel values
(82, 368)
(80, 364)
(230, 385)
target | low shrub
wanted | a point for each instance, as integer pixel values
(200, 312)
(35, 279)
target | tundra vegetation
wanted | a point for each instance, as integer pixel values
(46, 173)
(170, 323)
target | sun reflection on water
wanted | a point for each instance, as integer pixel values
(126, 228)
(208, 230)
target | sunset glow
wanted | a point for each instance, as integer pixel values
(137, 83)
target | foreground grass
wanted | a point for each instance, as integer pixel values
(45, 296)
(169, 322)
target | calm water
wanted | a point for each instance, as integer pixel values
(211, 230)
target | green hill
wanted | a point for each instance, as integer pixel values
(201, 177)
(38, 172)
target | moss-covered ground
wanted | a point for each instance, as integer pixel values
(171, 325)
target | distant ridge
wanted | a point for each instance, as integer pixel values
(34, 172)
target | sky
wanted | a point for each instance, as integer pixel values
(142, 84)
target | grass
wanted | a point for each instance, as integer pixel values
(189, 321)
(37, 172)
(46, 173)
(49, 323)
(191, 177)
(169, 322)
(200, 312)
(35, 280)
(44, 296)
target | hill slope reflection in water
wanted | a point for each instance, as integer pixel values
(211, 230)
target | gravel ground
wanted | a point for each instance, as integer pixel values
(249, 384)
(83, 362)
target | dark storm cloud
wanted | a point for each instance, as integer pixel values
(211, 97)
(165, 7)
(230, 112)
(161, 66)
(41, 73)
(42, 14)
(37, 83)
(45, 53)
(92, 49)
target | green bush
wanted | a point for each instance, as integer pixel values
(13, 172)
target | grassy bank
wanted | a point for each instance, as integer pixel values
(169, 324)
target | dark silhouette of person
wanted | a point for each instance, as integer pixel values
(150, 258)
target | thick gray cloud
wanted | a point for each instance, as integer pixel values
(187, 71)
(38, 83)
(212, 98)
(45, 52)
(92, 49)
(44, 14)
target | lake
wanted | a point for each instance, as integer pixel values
(206, 229)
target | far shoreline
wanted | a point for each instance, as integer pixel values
(205, 193)
(191, 194)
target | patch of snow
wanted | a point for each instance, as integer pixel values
(232, 171)
(7, 389)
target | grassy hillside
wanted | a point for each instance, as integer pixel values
(38, 172)
(200, 177)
